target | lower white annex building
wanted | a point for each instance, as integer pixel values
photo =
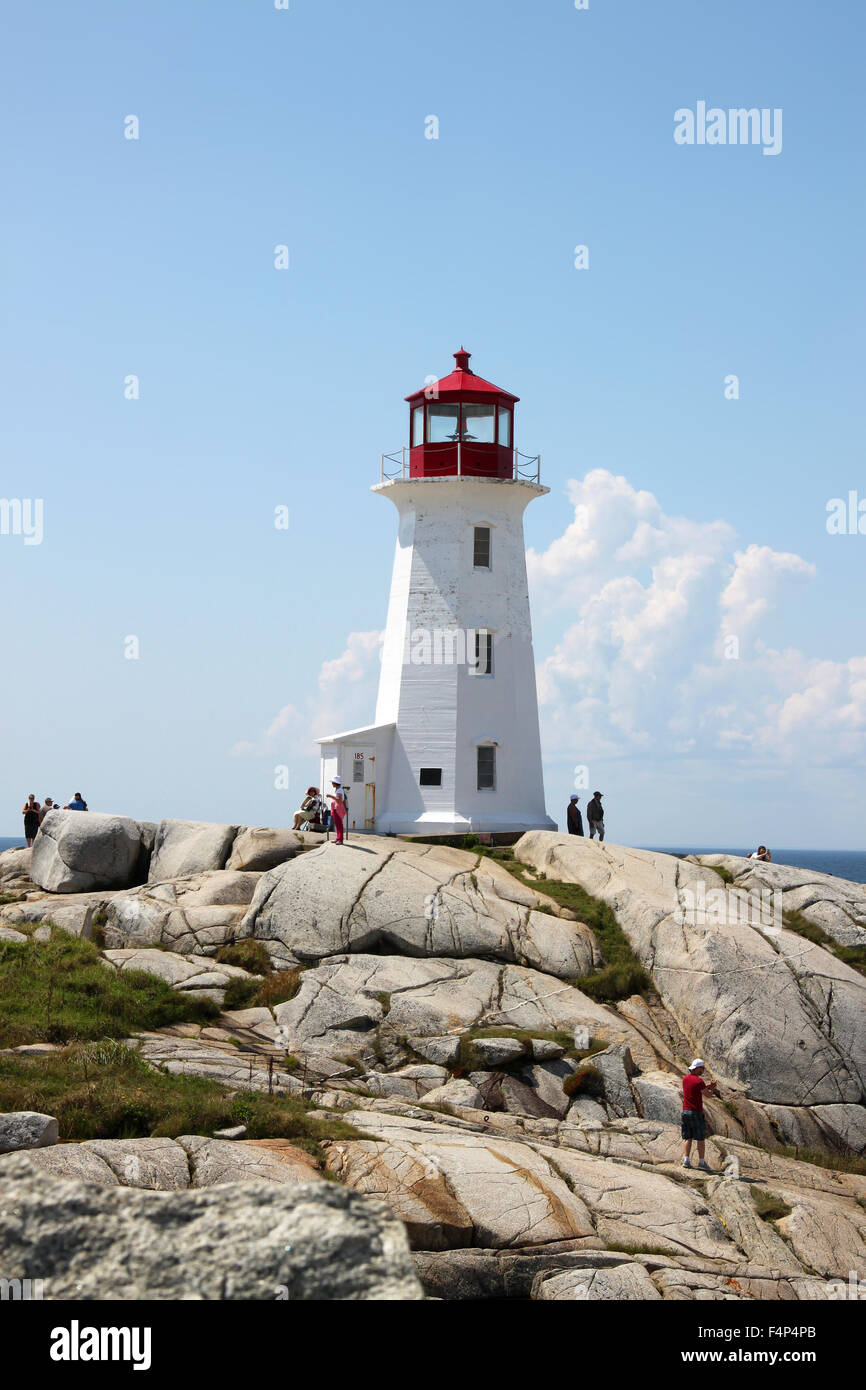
(455, 745)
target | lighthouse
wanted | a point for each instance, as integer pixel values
(455, 745)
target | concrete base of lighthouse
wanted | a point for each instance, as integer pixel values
(418, 770)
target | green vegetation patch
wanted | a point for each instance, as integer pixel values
(61, 991)
(768, 1206)
(248, 955)
(846, 1162)
(855, 956)
(622, 973)
(469, 1059)
(106, 1091)
(586, 1081)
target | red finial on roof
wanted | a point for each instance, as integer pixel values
(462, 359)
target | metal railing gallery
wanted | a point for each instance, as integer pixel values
(525, 468)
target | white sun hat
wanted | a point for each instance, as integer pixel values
(698, 1062)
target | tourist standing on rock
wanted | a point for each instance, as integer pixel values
(47, 805)
(762, 853)
(694, 1123)
(595, 816)
(339, 808)
(30, 811)
(573, 816)
(76, 804)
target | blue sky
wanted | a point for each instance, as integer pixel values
(261, 387)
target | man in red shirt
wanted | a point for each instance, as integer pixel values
(694, 1124)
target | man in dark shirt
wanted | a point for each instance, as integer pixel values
(694, 1124)
(595, 816)
(573, 817)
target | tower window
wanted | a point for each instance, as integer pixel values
(417, 425)
(487, 768)
(483, 653)
(430, 777)
(481, 556)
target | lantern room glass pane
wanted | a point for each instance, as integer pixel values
(504, 428)
(442, 423)
(417, 425)
(479, 423)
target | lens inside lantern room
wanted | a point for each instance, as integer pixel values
(475, 423)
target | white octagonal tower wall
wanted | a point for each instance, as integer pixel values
(441, 708)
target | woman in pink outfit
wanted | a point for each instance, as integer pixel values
(338, 809)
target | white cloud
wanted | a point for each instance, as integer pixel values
(646, 601)
(641, 669)
(345, 699)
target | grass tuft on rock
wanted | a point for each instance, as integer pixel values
(845, 1161)
(586, 1081)
(768, 1206)
(278, 988)
(61, 991)
(248, 954)
(105, 1090)
(469, 1059)
(622, 973)
(855, 956)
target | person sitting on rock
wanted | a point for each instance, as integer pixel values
(694, 1122)
(310, 808)
(573, 817)
(762, 853)
(76, 804)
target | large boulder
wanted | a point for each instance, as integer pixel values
(626, 1283)
(256, 847)
(836, 905)
(248, 1240)
(191, 974)
(197, 913)
(347, 1003)
(15, 871)
(77, 851)
(458, 1188)
(771, 1013)
(185, 847)
(417, 899)
(26, 1129)
(73, 913)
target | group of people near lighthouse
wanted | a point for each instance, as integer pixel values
(314, 813)
(594, 816)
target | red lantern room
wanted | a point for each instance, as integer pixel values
(461, 425)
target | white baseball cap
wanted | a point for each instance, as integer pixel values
(698, 1062)
(335, 782)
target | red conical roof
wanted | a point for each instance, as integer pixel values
(461, 382)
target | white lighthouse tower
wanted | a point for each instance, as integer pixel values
(455, 747)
